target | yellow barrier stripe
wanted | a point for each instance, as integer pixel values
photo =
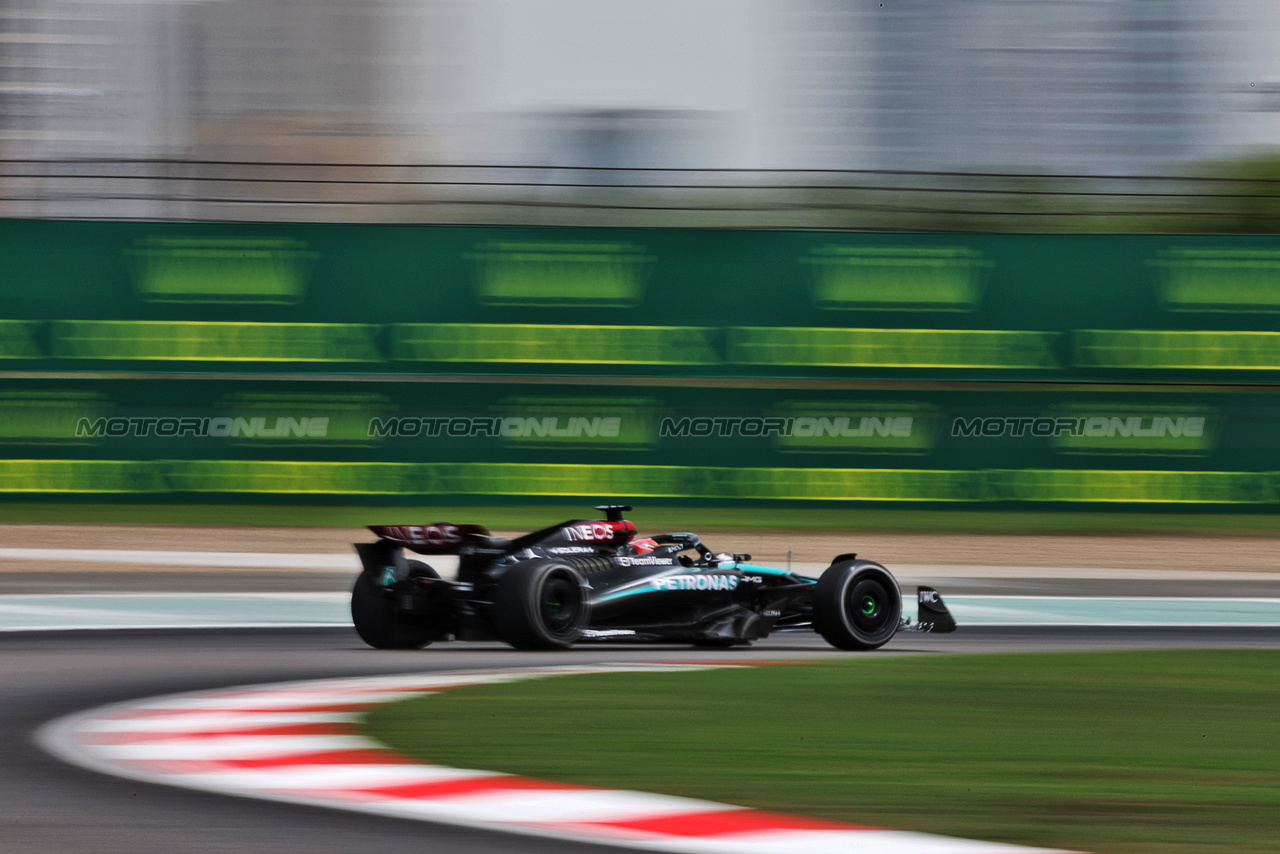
(891, 348)
(1180, 350)
(720, 483)
(17, 341)
(553, 344)
(129, 340)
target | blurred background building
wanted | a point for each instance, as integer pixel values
(336, 80)
(1077, 87)
(1094, 86)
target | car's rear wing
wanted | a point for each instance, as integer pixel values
(438, 538)
(445, 538)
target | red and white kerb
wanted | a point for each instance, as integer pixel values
(301, 743)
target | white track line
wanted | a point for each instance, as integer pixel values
(66, 611)
(226, 560)
(300, 743)
(447, 565)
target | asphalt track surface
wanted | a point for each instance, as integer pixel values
(48, 806)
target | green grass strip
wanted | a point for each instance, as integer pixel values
(506, 517)
(1119, 753)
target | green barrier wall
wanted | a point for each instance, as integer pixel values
(460, 440)
(94, 296)
(204, 360)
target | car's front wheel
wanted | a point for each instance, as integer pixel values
(857, 605)
(541, 604)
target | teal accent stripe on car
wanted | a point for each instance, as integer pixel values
(621, 593)
(762, 570)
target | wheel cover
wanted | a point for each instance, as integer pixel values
(869, 607)
(559, 604)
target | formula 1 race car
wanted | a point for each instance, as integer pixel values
(582, 581)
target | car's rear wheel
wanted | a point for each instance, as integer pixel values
(373, 612)
(541, 604)
(857, 605)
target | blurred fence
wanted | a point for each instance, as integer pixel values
(1227, 198)
(416, 362)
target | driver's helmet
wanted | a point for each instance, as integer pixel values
(643, 547)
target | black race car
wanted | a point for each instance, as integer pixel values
(582, 581)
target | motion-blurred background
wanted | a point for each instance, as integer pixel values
(787, 277)
(734, 112)
(987, 290)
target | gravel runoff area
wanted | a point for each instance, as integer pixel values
(1156, 552)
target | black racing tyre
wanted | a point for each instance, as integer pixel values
(373, 612)
(541, 604)
(857, 605)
